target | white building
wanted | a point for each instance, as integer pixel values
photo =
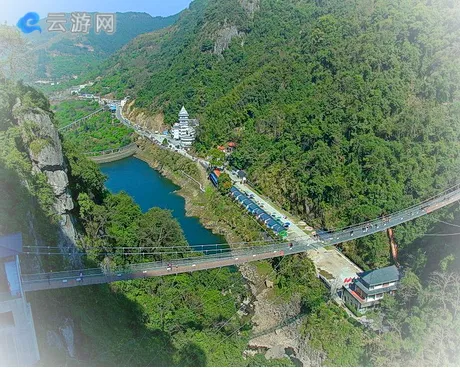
(185, 129)
(18, 342)
(175, 131)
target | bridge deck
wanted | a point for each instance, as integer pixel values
(34, 282)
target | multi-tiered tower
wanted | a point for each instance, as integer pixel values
(184, 130)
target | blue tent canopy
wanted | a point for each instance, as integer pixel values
(271, 223)
(247, 202)
(258, 211)
(235, 191)
(252, 207)
(241, 198)
(265, 217)
(278, 229)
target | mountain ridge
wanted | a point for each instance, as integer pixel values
(54, 51)
(342, 110)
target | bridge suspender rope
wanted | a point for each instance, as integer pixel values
(238, 256)
(68, 126)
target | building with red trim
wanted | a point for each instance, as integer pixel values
(369, 288)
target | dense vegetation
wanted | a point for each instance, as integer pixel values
(189, 319)
(342, 110)
(221, 212)
(304, 139)
(183, 320)
(35, 198)
(99, 133)
(68, 111)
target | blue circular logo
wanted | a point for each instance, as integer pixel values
(27, 23)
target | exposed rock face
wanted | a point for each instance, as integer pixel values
(63, 338)
(224, 37)
(251, 6)
(144, 118)
(67, 333)
(45, 152)
(58, 180)
(277, 326)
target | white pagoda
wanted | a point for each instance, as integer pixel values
(184, 130)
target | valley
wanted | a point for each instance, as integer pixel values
(244, 183)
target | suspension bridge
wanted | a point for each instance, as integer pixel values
(81, 121)
(207, 258)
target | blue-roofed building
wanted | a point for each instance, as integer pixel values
(369, 288)
(241, 198)
(214, 179)
(260, 214)
(234, 192)
(252, 207)
(278, 229)
(265, 218)
(246, 202)
(258, 211)
(271, 223)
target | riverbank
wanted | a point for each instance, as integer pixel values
(215, 212)
(273, 337)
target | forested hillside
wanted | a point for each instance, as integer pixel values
(342, 110)
(99, 133)
(66, 54)
(192, 319)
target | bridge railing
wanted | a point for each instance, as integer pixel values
(113, 150)
(301, 243)
(441, 197)
(76, 122)
(200, 257)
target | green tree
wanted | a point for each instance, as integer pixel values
(216, 157)
(224, 183)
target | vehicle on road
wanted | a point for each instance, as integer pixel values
(321, 234)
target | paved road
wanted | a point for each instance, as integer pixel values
(156, 137)
(293, 232)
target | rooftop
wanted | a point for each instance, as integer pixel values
(380, 276)
(183, 112)
(241, 174)
(10, 245)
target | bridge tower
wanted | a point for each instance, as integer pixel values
(18, 342)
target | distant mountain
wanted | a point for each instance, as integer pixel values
(60, 54)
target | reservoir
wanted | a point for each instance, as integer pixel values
(150, 189)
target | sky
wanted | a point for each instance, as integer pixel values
(12, 10)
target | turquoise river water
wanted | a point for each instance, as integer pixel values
(150, 189)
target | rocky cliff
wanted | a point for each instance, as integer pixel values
(43, 146)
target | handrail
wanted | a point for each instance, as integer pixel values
(79, 120)
(113, 150)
